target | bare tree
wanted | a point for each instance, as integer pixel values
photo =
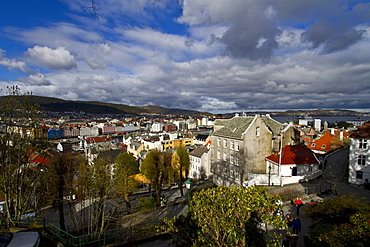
(95, 9)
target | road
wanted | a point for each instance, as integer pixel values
(335, 172)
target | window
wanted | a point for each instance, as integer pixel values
(231, 173)
(361, 160)
(231, 159)
(359, 174)
(237, 176)
(225, 156)
(218, 141)
(232, 145)
(236, 160)
(225, 143)
(258, 131)
(237, 146)
(218, 155)
(362, 143)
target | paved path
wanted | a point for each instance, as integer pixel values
(335, 172)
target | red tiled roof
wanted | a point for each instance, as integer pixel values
(294, 154)
(363, 131)
(323, 144)
(98, 139)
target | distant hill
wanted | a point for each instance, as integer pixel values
(320, 112)
(94, 107)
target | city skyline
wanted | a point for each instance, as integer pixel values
(204, 55)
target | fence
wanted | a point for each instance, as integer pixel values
(288, 194)
(118, 235)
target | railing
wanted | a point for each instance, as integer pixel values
(118, 235)
(316, 189)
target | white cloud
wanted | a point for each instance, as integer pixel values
(37, 79)
(59, 58)
(13, 63)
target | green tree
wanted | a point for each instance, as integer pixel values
(334, 216)
(228, 216)
(182, 162)
(354, 233)
(154, 168)
(125, 166)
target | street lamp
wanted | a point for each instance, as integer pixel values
(188, 184)
(269, 174)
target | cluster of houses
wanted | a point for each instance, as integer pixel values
(242, 150)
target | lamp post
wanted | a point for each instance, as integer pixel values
(269, 174)
(188, 185)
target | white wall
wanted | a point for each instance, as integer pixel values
(354, 152)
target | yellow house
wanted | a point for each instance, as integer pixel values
(176, 143)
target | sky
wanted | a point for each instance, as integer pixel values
(207, 55)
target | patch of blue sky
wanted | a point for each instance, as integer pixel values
(30, 13)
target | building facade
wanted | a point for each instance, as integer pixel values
(240, 145)
(359, 155)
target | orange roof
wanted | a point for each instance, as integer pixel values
(98, 139)
(324, 143)
(294, 154)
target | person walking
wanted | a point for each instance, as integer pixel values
(298, 203)
(289, 220)
(297, 226)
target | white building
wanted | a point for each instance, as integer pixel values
(359, 155)
(200, 166)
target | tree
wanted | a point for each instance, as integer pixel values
(182, 162)
(229, 216)
(18, 176)
(342, 221)
(60, 180)
(154, 168)
(100, 186)
(125, 166)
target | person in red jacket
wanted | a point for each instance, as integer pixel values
(298, 203)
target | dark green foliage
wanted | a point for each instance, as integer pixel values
(342, 221)
(227, 216)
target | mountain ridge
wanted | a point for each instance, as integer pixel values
(53, 104)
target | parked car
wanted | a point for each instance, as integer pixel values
(20, 239)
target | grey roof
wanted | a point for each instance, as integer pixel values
(199, 151)
(236, 126)
(273, 125)
(233, 127)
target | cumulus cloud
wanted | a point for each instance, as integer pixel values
(13, 63)
(53, 59)
(36, 79)
(216, 56)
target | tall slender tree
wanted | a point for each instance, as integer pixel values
(182, 162)
(60, 176)
(153, 167)
(125, 166)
